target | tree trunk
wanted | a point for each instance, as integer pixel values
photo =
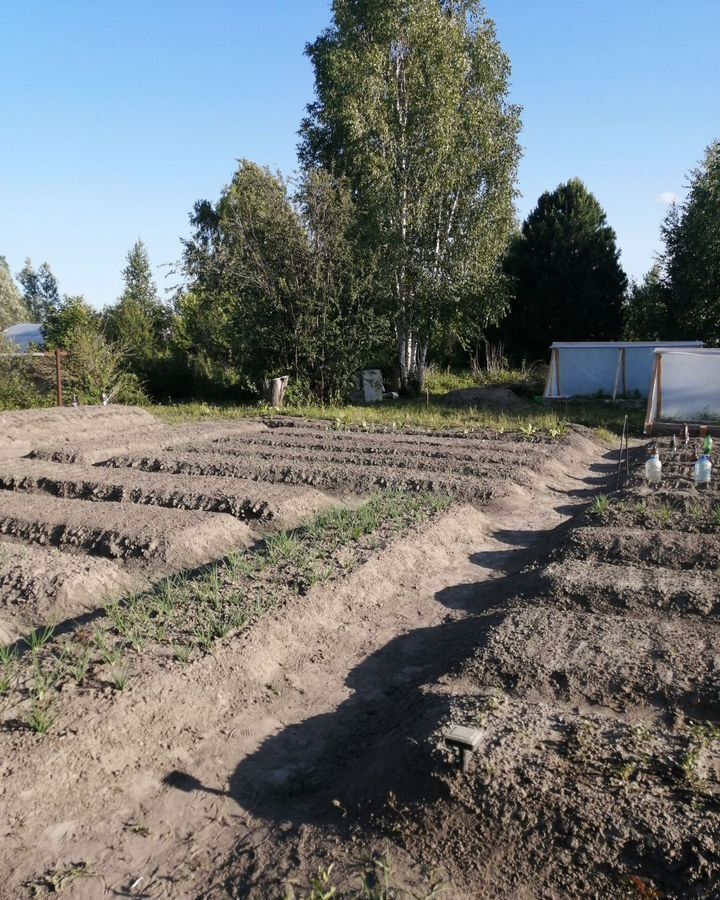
(274, 390)
(412, 354)
(493, 356)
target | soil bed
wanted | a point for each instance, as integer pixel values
(344, 477)
(120, 531)
(242, 499)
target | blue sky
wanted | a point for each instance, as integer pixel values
(115, 117)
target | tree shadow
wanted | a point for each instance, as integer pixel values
(335, 767)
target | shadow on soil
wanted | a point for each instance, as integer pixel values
(350, 771)
(373, 754)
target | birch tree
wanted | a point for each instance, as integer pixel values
(412, 107)
(12, 309)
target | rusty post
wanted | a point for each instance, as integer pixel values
(58, 373)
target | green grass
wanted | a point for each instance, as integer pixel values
(428, 413)
(398, 415)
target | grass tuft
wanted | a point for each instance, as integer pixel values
(600, 506)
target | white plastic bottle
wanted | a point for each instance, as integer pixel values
(702, 471)
(653, 469)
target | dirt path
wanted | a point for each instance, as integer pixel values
(240, 755)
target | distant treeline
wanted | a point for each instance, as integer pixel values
(397, 243)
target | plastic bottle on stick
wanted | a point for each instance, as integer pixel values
(653, 469)
(702, 473)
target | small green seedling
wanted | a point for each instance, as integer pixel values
(40, 718)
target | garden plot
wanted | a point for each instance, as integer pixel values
(247, 696)
(474, 465)
(597, 691)
(339, 462)
(595, 684)
(477, 447)
(333, 477)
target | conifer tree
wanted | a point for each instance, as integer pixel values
(691, 233)
(566, 280)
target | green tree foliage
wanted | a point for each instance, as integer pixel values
(66, 320)
(411, 106)
(691, 233)
(344, 332)
(276, 286)
(139, 322)
(40, 289)
(12, 308)
(95, 367)
(566, 280)
(647, 312)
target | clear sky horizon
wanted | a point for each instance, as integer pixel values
(117, 117)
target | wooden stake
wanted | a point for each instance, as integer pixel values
(650, 416)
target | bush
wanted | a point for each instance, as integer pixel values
(96, 367)
(25, 382)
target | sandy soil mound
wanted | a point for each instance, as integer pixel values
(495, 399)
(22, 430)
(121, 531)
(42, 586)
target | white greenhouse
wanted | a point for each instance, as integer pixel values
(611, 368)
(19, 338)
(685, 387)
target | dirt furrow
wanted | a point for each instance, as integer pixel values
(478, 468)
(345, 477)
(389, 445)
(120, 531)
(633, 589)
(409, 434)
(245, 500)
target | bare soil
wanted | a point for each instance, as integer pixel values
(497, 399)
(581, 641)
(245, 500)
(120, 531)
(24, 430)
(337, 477)
(42, 587)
